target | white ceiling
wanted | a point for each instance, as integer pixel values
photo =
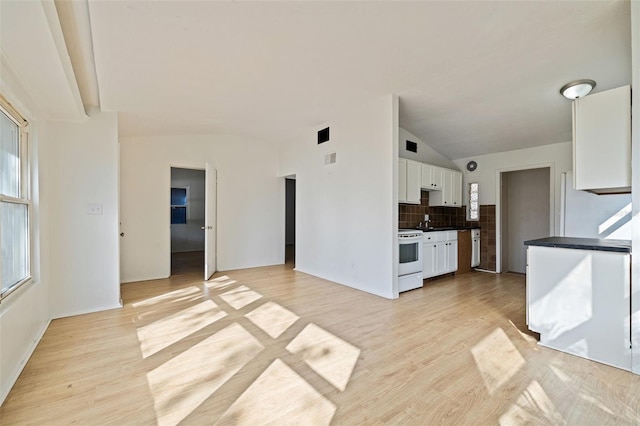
(473, 77)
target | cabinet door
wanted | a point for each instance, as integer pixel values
(475, 252)
(402, 180)
(429, 260)
(452, 256)
(427, 176)
(447, 187)
(414, 177)
(602, 140)
(456, 189)
(441, 258)
(436, 177)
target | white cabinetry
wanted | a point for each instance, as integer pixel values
(578, 300)
(409, 181)
(402, 180)
(602, 141)
(440, 253)
(451, 194)
(431, 177)
(429, 257)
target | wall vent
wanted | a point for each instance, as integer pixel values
(330, 159)
(323, 136)
(412, 146)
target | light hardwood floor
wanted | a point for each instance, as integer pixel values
(270, 345)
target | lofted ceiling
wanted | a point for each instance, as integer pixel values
(472, 77)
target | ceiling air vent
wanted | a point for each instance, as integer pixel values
(412, 146)
(330, 159)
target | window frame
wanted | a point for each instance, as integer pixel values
(24, 189)
(469, 218)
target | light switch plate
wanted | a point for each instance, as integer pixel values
(94, 209)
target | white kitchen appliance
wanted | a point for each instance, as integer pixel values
(475, 248)
(410, 259)
(588, 215)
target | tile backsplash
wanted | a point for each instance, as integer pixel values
(410, 215)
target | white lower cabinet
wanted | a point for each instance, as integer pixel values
(429, 259)
(440, 253)
(578, 300)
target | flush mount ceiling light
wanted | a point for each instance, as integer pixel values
(577, 88)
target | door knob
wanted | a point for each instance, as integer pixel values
(202, 227)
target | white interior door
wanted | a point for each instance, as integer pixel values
(210, 230)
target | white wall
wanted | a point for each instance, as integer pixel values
(84, 255)
(558, 156)
(189, 236)
(425, 153)
(346, 213)
(250, 212)
(25, 314)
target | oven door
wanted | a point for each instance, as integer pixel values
(410, 256)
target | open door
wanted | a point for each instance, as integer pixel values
(210, 221)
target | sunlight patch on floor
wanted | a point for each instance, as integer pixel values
(279, 396)
(533, 406)
(186, 293)
(328, 355)
(497, 359)
(220, 282)
(561, 375)
(181, 384)
(272, 318)
(168, 330)
(240, 297)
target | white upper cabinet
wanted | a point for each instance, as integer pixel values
(414, 178)
(451, 193)
(409, 180)
(602, 141)
(431, 177)
(445, 185)
(402, 180)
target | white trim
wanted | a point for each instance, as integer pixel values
(552, 202)
(90, 311)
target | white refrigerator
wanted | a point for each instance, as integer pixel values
(583, 214)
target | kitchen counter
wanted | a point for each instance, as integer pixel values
(618, 246)
(448, 228)
(578, 293)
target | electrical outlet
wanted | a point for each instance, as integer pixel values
(94, 209)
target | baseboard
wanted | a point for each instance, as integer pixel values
(484, 270)
(12, 380)
(89, 311)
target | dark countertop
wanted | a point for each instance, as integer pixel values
(448, 228)
(620, 246)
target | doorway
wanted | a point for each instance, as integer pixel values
(524, 214)
(290, 221)
(187, 221)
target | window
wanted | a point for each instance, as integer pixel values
(474, 206)
(15, 207)
(179, 206)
